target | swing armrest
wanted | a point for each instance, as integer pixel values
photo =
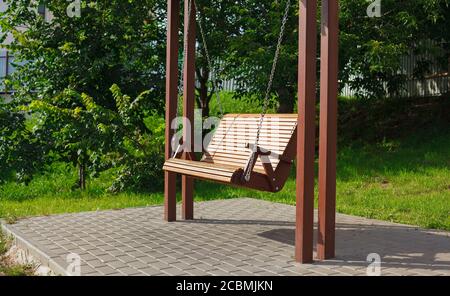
(264, 155)
(250, 164)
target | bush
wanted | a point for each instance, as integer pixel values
(142, 167)
(389, 118)
(21, 151)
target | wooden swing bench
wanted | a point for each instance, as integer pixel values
(228, 160)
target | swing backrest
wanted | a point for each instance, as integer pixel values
(228, 145)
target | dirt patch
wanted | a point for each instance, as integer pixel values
(385, 183)
(8, 264)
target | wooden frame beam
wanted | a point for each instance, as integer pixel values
(173, 23)
(328, 129)
(306, 131)
(187, 183)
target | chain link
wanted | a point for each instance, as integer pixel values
(210, 64)
(185, 46)
(248, 172)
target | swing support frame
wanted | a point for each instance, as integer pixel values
(306, 121)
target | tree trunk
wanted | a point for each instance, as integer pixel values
(448, 72)
(204, 98)
(82, 176)
(286, 100)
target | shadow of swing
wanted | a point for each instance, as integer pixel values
(398, 246)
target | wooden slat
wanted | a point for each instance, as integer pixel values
(200, 165)
(251, 137)
(255, 124)
(195, 170)
(237, 162)
(264, 138)
(252, 133)
(237, 153)
(241, 143)
(201, 175)
(268, 123)
(242, 153)
(241, 161)
(226, 167)
(258, 115)
(247, 129)
(243, 157)
(220, 162)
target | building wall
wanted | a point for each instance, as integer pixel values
(4, 60)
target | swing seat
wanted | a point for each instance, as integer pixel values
(227, 155)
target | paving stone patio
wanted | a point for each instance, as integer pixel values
(230, 237)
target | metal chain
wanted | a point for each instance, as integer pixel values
(210, 65)
(185, 45)
(269, 87)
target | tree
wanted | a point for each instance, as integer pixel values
(370, 48)
(21, 152)
(68, 65)
(218, 29)
(111, 42)
(94, 138)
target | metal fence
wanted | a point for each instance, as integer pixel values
(6, 68)
(436, 83)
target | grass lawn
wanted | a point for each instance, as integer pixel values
(405, 181)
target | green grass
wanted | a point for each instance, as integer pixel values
(405, 181)
(52, 193)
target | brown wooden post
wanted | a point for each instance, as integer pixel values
(306, 131)
(328, 129)
(187, 190)
(173, 22)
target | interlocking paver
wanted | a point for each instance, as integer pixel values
(96, 263)
(106, 270)
(229, 237)
(117, 264)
